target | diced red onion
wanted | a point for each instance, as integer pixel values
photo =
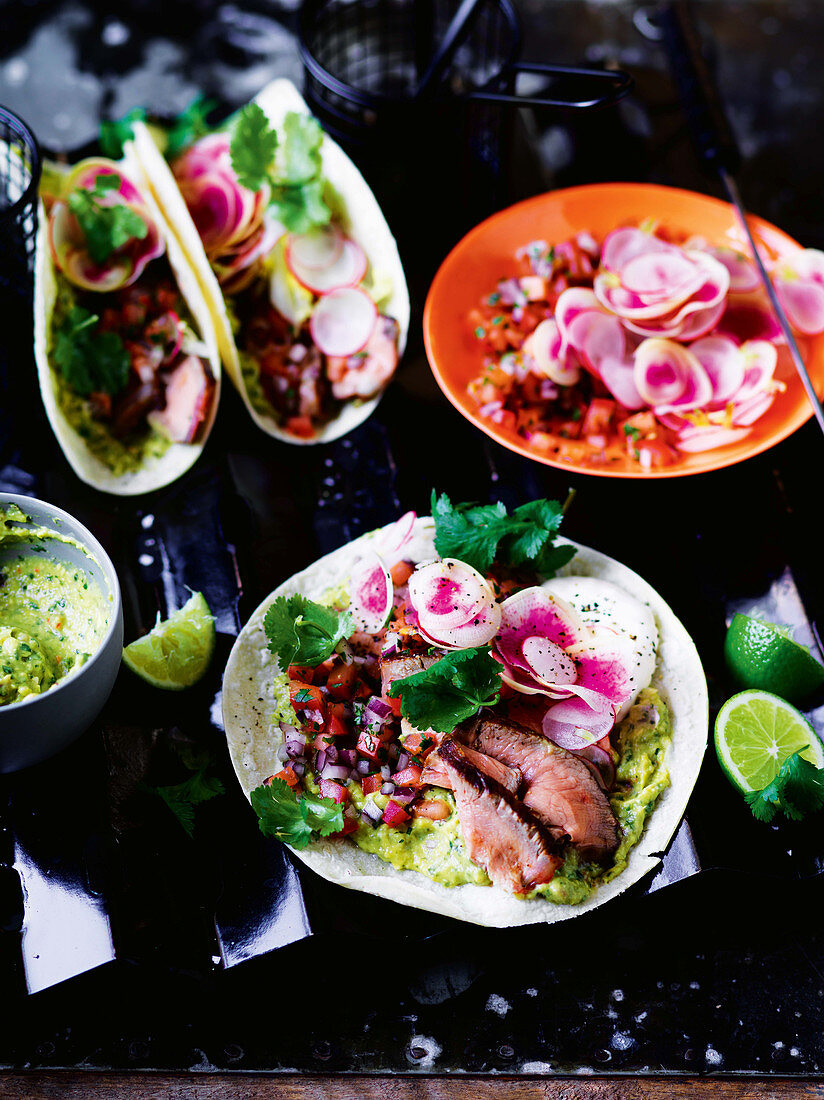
(404, 795)
(348, 757)
(388, 787)
(490, 407)
(371, 812)
(378, 707)
(296, 746)
(298, 767)
(335, 771)
(386, 771)
(331, 754)
(363, 767)
(283, 754)
(390, 645)
(403, 760)
(320, 760)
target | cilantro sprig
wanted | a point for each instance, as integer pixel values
(303, 632)
(796, 791)
(292, 165)
(189, 125)
(450, 690)
(114, 133)
(480, 534)
(292, 818)
(90, 361)
(106, 228)
(196, 788)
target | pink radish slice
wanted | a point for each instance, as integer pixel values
(752, 408)
(480, 630)
(596, 336)
(661, 371)
(622, 245)
(662, 275)
(692, 327)
(547, 661)
(618, 375)
(571, 302)
(343, 321)
(803, 302)
(216, 209)
(448, 593)
(346, 271)
(695, 440)
(370, 594)
(745, 320)
(743, 274)
(397, 537)
(573, 724)
(615, 298)
(548, 349)
(760, 359)
(317, 249)
(697, 393)
(723, 363)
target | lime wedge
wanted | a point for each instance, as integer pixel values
(759, 655)
(175, 653)
(755, 732)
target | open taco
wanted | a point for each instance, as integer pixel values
(295, 260)
(125, 347)
(509, 744)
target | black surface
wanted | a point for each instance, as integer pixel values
(718, 973)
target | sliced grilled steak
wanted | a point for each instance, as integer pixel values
(498, 832)
(396, 668)
(558, 787)
(437, 772)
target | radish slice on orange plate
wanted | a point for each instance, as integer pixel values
(342, 321)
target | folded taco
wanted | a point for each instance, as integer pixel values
(295, 260)
(467, 715)
(125, 347)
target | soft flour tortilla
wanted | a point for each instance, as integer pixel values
(157, 471)
(248, 703)
(363, 221)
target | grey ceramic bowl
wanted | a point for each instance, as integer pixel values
(41, 725)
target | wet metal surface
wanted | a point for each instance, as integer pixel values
(719, 972)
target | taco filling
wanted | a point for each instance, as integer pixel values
(304, 301)
(131, 375)
(482, 726)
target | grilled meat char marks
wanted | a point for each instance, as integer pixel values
(498, 832)
(559, 788)
(436, 772)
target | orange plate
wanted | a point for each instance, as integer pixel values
(487, 253)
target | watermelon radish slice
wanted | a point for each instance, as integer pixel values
(574, 300)
(343, 321)
(662, 368)
(623, 245)
(397, 537)
(448, 593)
(596, 336)
(694, 440)
(723, 363)
(760, 358)
(370, 594)
(662, 275)
(346, 270)
(546, 346)
(478, 631)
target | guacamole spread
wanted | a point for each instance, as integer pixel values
(52, 616)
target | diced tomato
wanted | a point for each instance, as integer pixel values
(306, 696)
(433, 808)
(418, 744)
(394, 701)
(598, 416)
(409, 777)
(654, 452)
(288, 776)
(369, 745)
(394, 815)
(401, 571)
(372, 783)
(341, 680)
(330, 789)
(336, 727)
(302, 673)
(350, 824)
(301, 426)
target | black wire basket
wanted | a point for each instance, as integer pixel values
(19, 179)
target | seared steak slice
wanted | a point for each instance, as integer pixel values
(396, 668)
(498, 833)
(437, 771)
(559, 788)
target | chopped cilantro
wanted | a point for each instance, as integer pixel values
(115, 133)
(303, 632)
(479, 534)
(292, 818)
(479, 332)
(90, 361)
(797, 790)
(189, 125)
(449, 691)
(106, 228)
(632, 430)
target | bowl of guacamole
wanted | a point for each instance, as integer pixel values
(61, 630)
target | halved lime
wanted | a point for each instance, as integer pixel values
(755, 732)
(176, 652)
(760, 656)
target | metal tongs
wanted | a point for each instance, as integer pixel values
(715, 143)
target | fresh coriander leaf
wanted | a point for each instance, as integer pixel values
(189, 125)
(181, 798)
(482, 533)
(90, 361)
(114, 134)
(796, 791)
(451, 690)
(300, 208)
(106, 228)
(300, 160)
(292, 818)
(253, 147)
(303, 632)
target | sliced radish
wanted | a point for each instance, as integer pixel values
(760, 358)
(573, 723)
(478, 631)
(548, 661)
(397, 537)
(370, 594)
(695, 440)
(546, 346)
(662, 368)
(723, 363)
(615, 298)
(448, 593)
(343, 321)
(662, 275)
(745, 319)
(622, 245)
(318, 249)
(571, 302)
(597, 336)
(800, 289)
(618, 375)
(744, 277)
(752, 408)
(346, 270)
